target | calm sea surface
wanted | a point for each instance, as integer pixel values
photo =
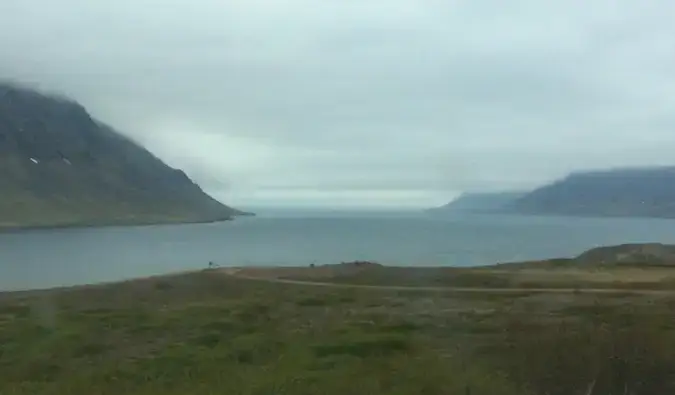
(44, 258)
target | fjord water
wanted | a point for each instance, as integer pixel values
(55, 257)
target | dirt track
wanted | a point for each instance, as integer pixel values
(235, 272)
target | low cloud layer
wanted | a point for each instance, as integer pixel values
(392, 103)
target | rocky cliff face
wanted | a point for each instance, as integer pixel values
(58, 166)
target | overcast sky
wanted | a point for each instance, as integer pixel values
(362, 102)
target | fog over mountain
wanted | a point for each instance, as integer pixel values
(635, 192)
(494, 202)
(349, 103)
(60, 167)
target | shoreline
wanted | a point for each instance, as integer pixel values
(620, 268)
(28, 228)
(303, 277)
(60, 288)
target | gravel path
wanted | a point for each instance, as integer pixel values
(234, 272)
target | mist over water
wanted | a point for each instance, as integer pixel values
(45, 258)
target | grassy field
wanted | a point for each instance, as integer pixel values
(211, 333)
(503, 276)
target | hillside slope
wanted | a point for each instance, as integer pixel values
(479, 203)
(60, 167)
(640, 192)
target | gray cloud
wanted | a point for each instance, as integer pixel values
(391, 103)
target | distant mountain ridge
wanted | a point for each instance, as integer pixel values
(634, 192)
(487, 202)
(60, 167)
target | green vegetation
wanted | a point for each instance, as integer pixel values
(519, 276)
(60, 167)
(209, 333)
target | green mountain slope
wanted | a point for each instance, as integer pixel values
(60, 167)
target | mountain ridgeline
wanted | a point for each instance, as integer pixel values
(479, 203)
(60, 167)
(632, 192)
(635, 192)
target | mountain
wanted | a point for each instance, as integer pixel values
(479, 202)
(60, 167)
(638, 192)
